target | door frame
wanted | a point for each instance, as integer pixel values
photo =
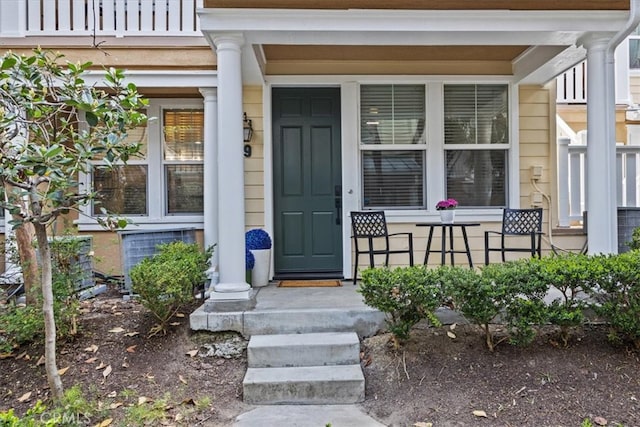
(348, 120)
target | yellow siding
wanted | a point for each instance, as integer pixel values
(576, 117)
(254, 165)
(535, 141)
(634, 82)
(138, 57)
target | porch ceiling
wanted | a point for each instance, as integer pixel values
(274, 52)
(530, 46)
(408, 60)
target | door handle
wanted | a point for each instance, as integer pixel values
(337, 191)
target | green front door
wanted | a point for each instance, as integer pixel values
(307, 182)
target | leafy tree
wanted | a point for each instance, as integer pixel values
(43, 149)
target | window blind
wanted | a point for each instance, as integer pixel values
(183, 132)
(121, 190)
(393, 179)
(392, 114)
(476, 114)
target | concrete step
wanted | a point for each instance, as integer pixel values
(315, 349)
(314, 385)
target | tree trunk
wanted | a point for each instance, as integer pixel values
(26, 252)
(51, 367)
(28, 261)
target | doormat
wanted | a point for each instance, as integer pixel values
(309, 283)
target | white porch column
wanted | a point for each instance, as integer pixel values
(563, 181)
(210, 189)
(601, 149)
(231, 222)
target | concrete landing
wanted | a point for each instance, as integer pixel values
(294, 310)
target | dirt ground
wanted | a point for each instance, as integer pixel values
(436, 377)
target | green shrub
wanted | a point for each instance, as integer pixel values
(406, 295)
(525, 308)
(479, 297)
(618, 295)
(510, 291)
(165, 282)
(572, 275)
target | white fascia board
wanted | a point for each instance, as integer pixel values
(415, 38)
(529, 61)
(160, 78)
(432, 26)
(552, 68)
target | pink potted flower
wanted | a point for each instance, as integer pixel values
(447, 210)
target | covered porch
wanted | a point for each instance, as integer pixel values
(276, 44)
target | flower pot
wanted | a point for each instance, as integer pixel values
(447, 216)
(260, 273)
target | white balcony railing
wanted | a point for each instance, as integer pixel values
(118, 18)
(572, 85)
(572, 175)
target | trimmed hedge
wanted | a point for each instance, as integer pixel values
(513, 294)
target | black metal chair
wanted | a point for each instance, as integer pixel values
(517, 222)
(372, 226)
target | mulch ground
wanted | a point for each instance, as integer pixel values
(436, 377)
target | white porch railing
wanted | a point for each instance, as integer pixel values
(100, 17)
(572, 173)
(572, 85)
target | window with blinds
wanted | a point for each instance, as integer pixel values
(393, 179)
(166, 180)
(392, 135)
(121, 190)
(183, 132)
(137, 135)
(476, 139)
(185, 189)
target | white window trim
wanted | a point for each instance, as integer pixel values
(156, 185)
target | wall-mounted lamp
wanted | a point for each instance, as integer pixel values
(247, 128)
